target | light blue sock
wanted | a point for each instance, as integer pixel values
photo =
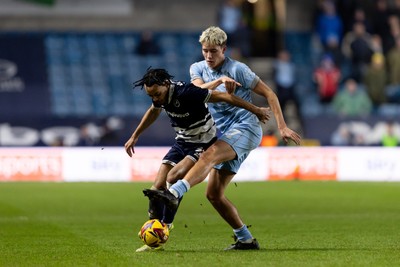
(243, 234)
(179, 188)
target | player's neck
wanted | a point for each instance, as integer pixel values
(219, 66)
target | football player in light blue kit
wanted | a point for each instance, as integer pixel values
(240, 130)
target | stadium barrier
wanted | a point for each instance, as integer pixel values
(112, 164)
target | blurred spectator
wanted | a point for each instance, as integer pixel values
(333, 49)
(375, 80)
(352, 133)
(329, 24)
(345, 135)
(391, 137)
(380, 22)
(319, 10)
(393, 5)
(230, 19)
(357, 47)
(285, 80)
(107, 134)
(395, 8)
(352, 101)
(327, 77)
(236, 54)
(393, 57)
(360, 17)
(58, 141)
(90, 134)
(270, 138)
(346, 9)
(109, 131)
(148, 45)
(393, 60)
(342, 137)
(394, 31)
(376, 44)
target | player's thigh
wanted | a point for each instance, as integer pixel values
(180, 170)
(219, 152)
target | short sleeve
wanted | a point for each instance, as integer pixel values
(195, 71)
(246, 76)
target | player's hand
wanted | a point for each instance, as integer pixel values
(288, 134)
(230, 84)
(263, 114)
(130, 146)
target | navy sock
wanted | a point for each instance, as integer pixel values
(170, 215)
(156, 209)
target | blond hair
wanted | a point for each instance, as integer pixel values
(213, 36)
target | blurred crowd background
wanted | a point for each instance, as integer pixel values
(67, 66)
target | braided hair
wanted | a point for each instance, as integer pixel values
(152, 77)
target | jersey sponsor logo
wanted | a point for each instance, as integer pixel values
(176, 115)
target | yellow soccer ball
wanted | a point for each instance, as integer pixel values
(154, 233)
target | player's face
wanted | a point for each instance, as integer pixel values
(158, 93)
(213, 54)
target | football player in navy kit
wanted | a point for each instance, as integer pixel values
(186, 106)
(240, 133)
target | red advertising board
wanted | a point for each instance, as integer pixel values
(30, 164)
(303, 164)
(145, 163)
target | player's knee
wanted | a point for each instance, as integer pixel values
(213, 197)
(174, 176)
(172, 179)
(158, 185)
(208, 156)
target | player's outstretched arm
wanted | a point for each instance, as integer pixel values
(148, 118)
(286, 133)
(262, 113)
(230, 84)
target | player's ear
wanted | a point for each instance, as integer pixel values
(167, 83)
(223, 48)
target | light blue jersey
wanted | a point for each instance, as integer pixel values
(239, 128)
(225, 114)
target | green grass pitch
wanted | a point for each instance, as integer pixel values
(296, 223)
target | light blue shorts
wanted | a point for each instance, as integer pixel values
(243, 138)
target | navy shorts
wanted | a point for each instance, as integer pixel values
(182, 149)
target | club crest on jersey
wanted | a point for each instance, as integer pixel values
(177, 103)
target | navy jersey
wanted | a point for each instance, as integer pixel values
(188, 112)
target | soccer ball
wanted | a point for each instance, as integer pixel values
(154, 233)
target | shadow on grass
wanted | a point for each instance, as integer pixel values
(264, 250)
(313, 249)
